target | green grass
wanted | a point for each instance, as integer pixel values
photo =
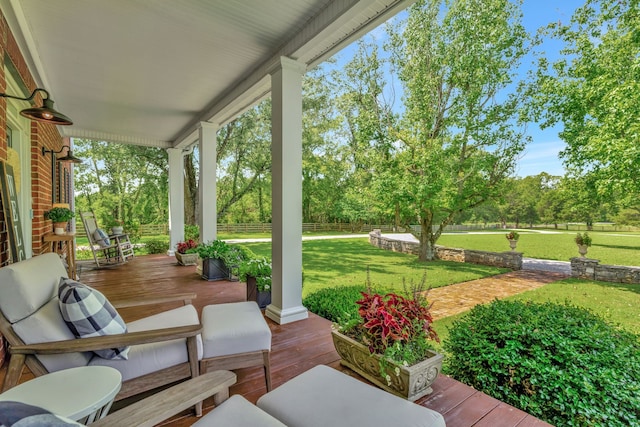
(609, 248)
(329, 263)
(616, 303)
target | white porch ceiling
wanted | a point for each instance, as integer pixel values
(148, 71)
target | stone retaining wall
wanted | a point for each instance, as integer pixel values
(586, 268)
(512, 260)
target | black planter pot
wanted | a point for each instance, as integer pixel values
(262, 298)
(214, 269)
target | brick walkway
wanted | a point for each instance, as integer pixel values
(454, 299)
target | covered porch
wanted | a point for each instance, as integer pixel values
(296, 347)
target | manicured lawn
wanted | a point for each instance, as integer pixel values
(616, 303)
(609, 248)
(336, 262)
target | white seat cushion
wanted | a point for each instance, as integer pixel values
(148, 358)
(323, 397)
(237, 412)
(48, 325)
(28, 285)
(233, 328)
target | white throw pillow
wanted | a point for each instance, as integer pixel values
(87, 313)
(101, 238)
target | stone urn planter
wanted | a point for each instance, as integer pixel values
(117, 230)
(409, 382)
(512, 244)
(186, 259)
(582, 250)
(263, 298)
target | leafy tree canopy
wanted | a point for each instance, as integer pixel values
(593, 91)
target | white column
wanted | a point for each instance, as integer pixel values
(176, 198)
(208, 218)
(286, 174)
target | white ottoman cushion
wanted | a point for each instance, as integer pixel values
(238, 411)
(147, 358)
(323, 397)
(233, 328)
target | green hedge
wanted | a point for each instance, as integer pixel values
(560, 363)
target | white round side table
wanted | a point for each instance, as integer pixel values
(82, 394)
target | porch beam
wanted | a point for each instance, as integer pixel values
(176, 198)
(286, 176)
(207, 186)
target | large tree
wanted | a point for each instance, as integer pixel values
(459, 137)
(122, 182)
(592, 90)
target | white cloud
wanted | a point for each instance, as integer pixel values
(541, 157)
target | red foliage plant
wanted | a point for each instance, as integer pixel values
(393, 318)
(183, 247)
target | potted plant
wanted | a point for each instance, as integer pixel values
(60, 217)
(218, 258)
(512, 237)
(117, 226)
(583, 240)
(186, 252)
(256, 272)
(389, 343)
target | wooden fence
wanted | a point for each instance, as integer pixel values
(163, 229)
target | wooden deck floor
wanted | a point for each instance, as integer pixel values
(296, 347)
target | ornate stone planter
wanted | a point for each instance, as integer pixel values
(186, 259)
(512, 244)
(411, 382)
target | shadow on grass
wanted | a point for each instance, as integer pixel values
(604, 285)
(631, 248)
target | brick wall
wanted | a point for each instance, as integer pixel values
(42, 135)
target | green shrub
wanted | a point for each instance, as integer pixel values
(559, 363)
(336, 304)
(191, 232)
(157, 246)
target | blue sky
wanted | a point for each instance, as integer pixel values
(542, 154)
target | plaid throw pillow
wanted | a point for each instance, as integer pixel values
(20, 414)
(87, 313)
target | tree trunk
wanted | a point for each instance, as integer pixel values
(190, 190)
(427, 249)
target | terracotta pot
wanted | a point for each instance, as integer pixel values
(60, 225)
(410, 382)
